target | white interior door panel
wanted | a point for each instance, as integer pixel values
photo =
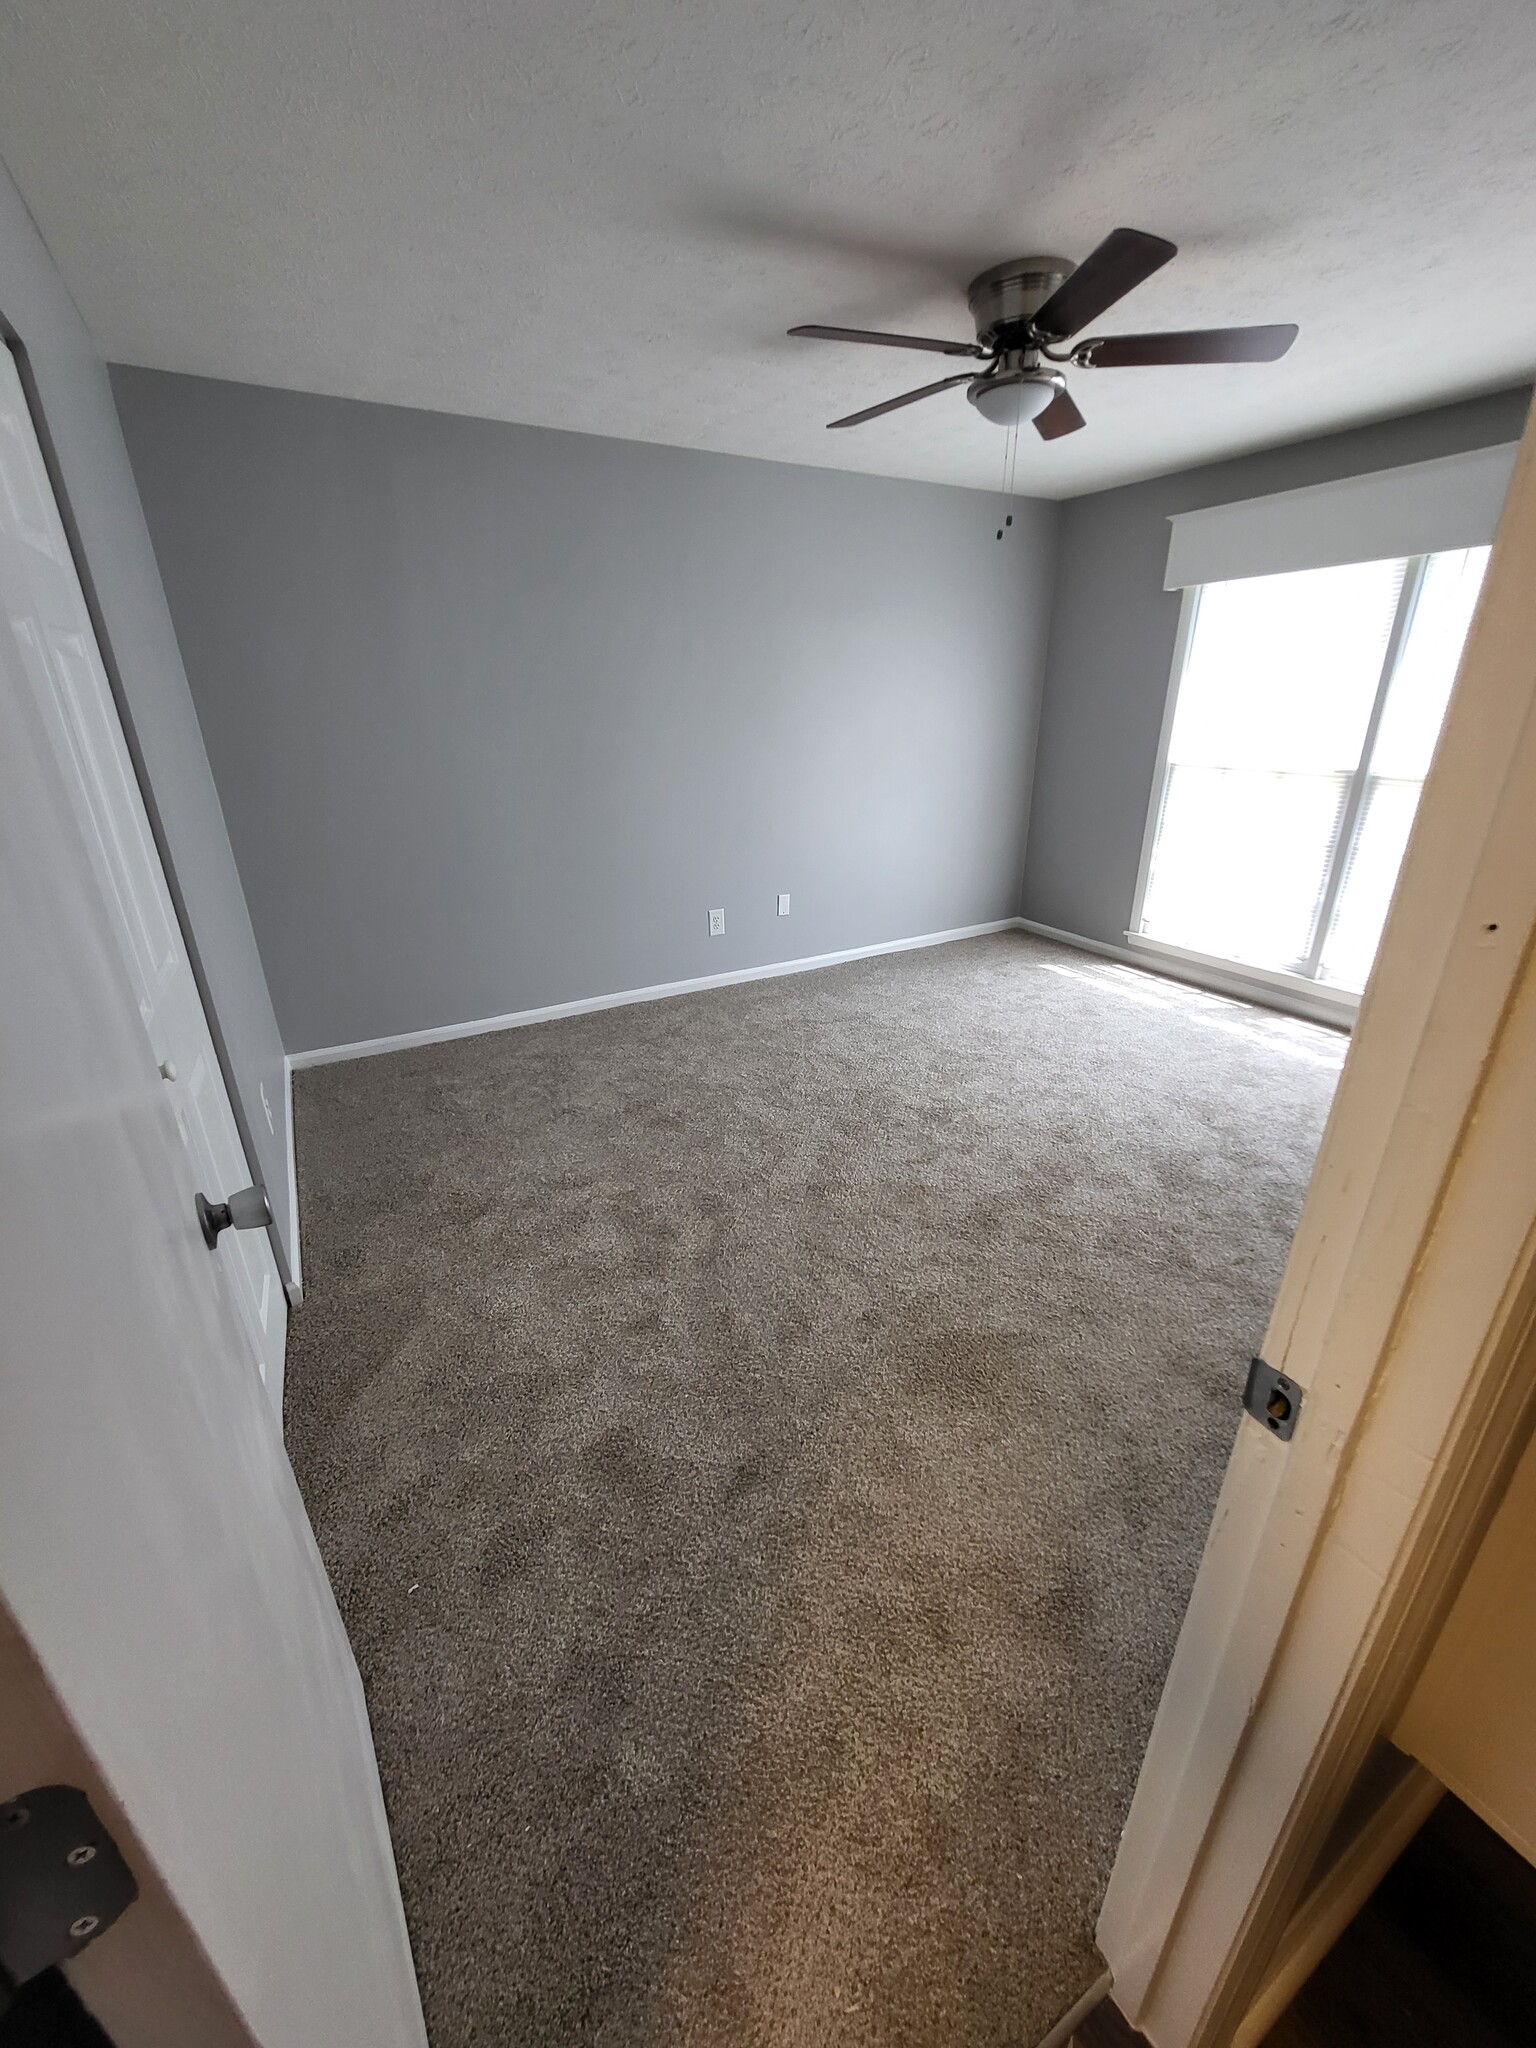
(55, 643)
(155, 1557)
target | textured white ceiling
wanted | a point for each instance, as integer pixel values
(603, 215)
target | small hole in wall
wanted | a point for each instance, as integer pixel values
(1490, 927)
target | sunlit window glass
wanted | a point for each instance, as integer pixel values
(1307, 712)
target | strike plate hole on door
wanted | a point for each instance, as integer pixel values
(1273, 1399)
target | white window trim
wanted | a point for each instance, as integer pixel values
(1353, 814)
(1316, 999)
(1189, 606)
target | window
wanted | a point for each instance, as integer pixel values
(1307, 709)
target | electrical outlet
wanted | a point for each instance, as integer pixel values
(783, 906)
(717, 924)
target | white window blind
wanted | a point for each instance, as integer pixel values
(1422, 508)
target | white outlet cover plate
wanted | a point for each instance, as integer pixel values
(717, 924)
(783, 906)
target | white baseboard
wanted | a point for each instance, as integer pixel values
(438, 1034)
(1050, 931)
(1061, 2034)
(401, 1041)
(1196, 974)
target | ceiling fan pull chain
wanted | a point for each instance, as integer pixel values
(1008, 441)
(1010, 471)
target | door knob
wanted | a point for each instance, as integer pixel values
(248, 1210)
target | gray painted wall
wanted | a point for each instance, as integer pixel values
(101, 507)
(1111, 648)
(497, 713)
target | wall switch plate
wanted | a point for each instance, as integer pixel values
(717, 924)
(783, 906)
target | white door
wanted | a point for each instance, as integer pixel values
(155, 1556)
(52, 637)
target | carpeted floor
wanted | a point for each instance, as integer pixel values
(762, 1442)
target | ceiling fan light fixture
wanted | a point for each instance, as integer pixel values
(1014, 399)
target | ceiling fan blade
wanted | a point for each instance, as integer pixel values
(1197, 345)
(1060, 417)
(1124, 259)
(923, 341)
(873, 412)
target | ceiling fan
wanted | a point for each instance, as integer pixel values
(1025, 308)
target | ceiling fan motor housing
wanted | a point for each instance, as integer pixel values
(1004, 299)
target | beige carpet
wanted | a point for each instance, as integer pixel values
(762, 1442)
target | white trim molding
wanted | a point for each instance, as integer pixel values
(438, 1034)
(295, 1260)
(1297, 998)
(1261, 984)
(1062, 2033)
(1189, 611)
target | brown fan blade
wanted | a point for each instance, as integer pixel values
(1060, 417)
(1124, 259)
(873, 412)
(1196, 345)
(923, 341)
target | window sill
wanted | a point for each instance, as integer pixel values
(1265, 984)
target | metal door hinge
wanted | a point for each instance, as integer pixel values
(1273, 1400)
(62, 1882)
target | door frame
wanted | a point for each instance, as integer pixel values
(1404, 1313)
